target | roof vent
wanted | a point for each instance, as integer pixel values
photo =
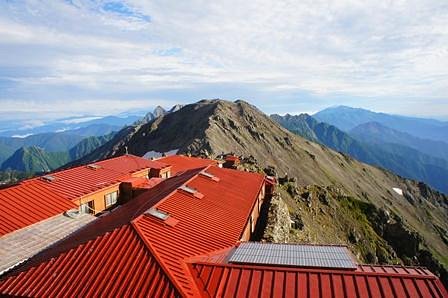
(48, 178)
(93, 166)
(164, 216)
(191, 191)
(211, 176)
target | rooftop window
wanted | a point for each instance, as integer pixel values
(158, 213)
(94, 166)
(188, 189)
(48, 178)
(164, 216)
(191, 191)
(211, 176)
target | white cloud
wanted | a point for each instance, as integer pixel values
(370, 49)
(44, 110)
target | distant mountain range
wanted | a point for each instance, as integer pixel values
(83, 126)
(43, 152)
(51, 142)
(392, 155)
(32, 158)
(376, 133)
(94, 127)
(347, 118)
(48, 151)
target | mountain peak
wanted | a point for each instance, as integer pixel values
(175, 108)
(159, 111)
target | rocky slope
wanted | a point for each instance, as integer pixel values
(211, 127)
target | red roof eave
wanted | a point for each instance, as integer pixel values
(262, 183)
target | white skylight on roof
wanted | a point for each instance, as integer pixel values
(191, 191)
(208, 175)
(158, 213)
(188, 189)
(94, 166)
(48, 178)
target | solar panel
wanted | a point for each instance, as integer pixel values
(293, 255)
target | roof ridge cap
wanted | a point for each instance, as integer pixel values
(135, 226)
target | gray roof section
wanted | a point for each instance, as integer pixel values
(293, 255)
(18, 246)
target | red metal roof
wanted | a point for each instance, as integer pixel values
(36, 199)
(142, 182)
(116, 264)
(123, 215)
(181, 163)
(25, 204)
(228, 280)
(83, 180)
(131, 253)
(213, 222)
(130, 163)
(198, 226)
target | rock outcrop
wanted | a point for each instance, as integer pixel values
(279, 222)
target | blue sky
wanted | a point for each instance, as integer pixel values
(70, 58)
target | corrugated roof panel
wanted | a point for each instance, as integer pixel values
(274, 281)
(79, 181)
(214, 222)
(130, 163)
(115, 264)
(196, 232)
(28, 203)
(181, 163)
(39, 198)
